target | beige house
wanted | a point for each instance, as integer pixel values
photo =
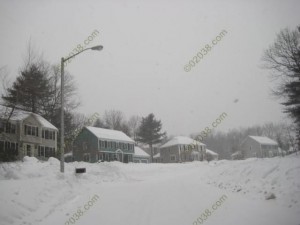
(182, 149)
(260, 147)
(26, 134)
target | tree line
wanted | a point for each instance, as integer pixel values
(227, 143)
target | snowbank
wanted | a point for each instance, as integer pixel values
(35, 192)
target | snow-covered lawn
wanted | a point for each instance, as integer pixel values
(227, 192)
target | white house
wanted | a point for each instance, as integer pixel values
(140, 156)
(25, 133)
(182, 149)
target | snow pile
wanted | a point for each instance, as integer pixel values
(35, 192)
(267, 178)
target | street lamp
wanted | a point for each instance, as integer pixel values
(62, 130)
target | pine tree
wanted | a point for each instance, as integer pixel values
(149, 132)
(29, 91)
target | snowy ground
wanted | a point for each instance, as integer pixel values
(34, 192)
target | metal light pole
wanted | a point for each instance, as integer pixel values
(62, 128)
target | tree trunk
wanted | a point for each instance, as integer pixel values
(151, 152)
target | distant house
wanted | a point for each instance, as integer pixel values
(156, 158)
(69, 157)
(260, 147)
(211, 155)
(95, 144)
(26, 134)
(237, 155)
(146, 148)
(182, 149)
(140, 156)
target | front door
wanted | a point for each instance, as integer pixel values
(28, 150)
(120, 156)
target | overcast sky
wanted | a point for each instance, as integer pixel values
(146, 46)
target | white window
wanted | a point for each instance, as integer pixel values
(31, 130)
(41, 151)
(102, 144)
(48, 134)
(10, 128)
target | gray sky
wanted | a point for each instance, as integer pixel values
(147, 44)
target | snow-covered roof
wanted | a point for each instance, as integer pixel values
(236, 153)
(210, 152)
(264, 140)
(156, 156)
(181, 140)
(68, 154)
(44, 122)
(109, 134)
(19, 115)
(140, 152)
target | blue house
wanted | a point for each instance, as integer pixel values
(95, 144)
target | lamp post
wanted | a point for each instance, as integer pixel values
(62, 128)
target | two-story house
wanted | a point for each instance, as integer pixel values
(26, 134)
(95, 144)
(260, 147)
(182, 149)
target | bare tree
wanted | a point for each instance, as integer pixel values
(4, 80)
(283, 59)
(134, 122)
(70, 92)
(114, 119)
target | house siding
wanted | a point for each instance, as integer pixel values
(87, 143)
(167, 152)
(251, 148)
(23, 140)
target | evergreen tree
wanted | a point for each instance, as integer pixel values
(29, 91)
(149, 132)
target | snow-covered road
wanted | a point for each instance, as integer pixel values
(157, 194)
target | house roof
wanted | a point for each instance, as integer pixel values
(140, 152)
(156, 156)
(19, 115)
(264, 140)
(181, 140)
(210, 152)
(68, 154)
(109, 134)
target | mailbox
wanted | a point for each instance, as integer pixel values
(80, 170)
